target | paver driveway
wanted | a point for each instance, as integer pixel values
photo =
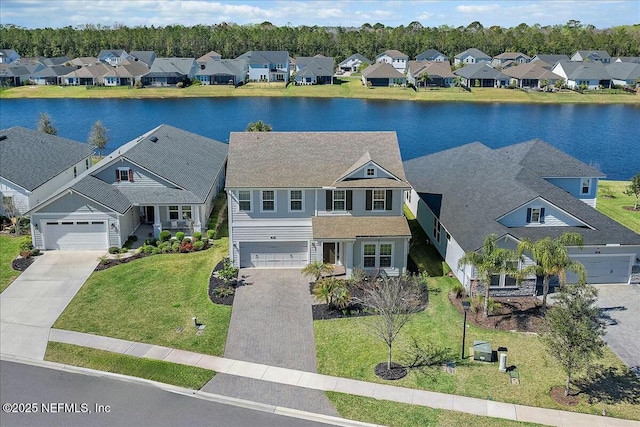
(620, 305)
(33, 302)
(271, 323)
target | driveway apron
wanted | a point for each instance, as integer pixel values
(620, 305)
(271, 323)
(36, 298)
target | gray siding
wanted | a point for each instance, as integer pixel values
(361, 173)
(73, 203)
(553, 217)
(399, 255)
(574, 187)
(282, 206)
(141, 178)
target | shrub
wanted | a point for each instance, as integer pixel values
(152, 241)
(185, 246)
(114, 250)
(228, 271)
(211, 234)
(180, 236)
(25, 244)
(133, 238)
(165, 235)
(186, 240)
(357, 276)
(197, 236)
(223, 291)
(155, 251)
(198, 246)
(102, 260)
(458, 290)
(35, 252)
(147, 249)
(333, 291)
(175, 247)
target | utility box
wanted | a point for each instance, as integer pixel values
(482, 351)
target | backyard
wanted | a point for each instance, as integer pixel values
(612, 202)
(345, 348)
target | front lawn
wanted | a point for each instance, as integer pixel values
(613, 205)
(153, 300)
(156, 370)
(394, 414)
(9, 249)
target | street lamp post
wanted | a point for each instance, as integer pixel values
(466, 305)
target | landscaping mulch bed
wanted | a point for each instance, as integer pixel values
(21, 264)
(216, 282)
(557, 394)
(523, 314)
(395, 373)
(108, 263)
(326, 312)
(631, 208)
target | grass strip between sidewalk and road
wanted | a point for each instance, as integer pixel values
(394, 414)
(155, 370)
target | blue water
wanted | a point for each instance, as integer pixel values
(605, 136)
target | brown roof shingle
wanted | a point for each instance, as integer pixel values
(352, 227)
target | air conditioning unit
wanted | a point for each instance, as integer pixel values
(482, 351)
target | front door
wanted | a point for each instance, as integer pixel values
(150, 214)
(329, 253)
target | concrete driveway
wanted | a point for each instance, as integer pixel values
(33, 302)
(271, 323)
(620, 305)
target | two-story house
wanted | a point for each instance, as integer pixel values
(7, 56)
(35, 164)
(354, 63)
(530, 191)
(113, 57)
(298, 197)
(471, 56)
(432, 55)
(269, 66)
(166, 179)
(592, 56)
(394, 57)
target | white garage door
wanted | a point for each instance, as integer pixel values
(75, 235)
(604, 269)
(273, 255)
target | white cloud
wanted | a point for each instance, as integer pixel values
(477, 8)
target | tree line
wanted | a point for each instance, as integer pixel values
(232, 40)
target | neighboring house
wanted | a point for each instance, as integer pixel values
(624, 73)
(551, 59)
(269, 66)
(523, 191)
(33, 165)
(170, 71)
(90, 75)
(7, 56)
(439, 73)
(591, 75)
(634, 59)
(531, 75)
(482, 75)
(471, 56)
(314, 70)
(512, 58)
(394, 57)
(222, 72)
(353, 63)
(167, 178)
(84, 61)
(382, 74)
(126, 74)
(13, 75)
(112, 57)
(55, 61)
(51, 75)
(432, 55)
(335, 197)
(592, 55)
(146, 57)
(213, 55)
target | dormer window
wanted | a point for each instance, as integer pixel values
(585, 186)
(371, 172)
(535, 215)
(124, 174)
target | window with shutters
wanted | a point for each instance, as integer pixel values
(379, 200)
(339, 200)
(123, 174)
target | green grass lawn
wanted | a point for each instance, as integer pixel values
(395, 414)
(345, 87)
(613, 206)
(9, 249)
(156, 370)
(147, 300)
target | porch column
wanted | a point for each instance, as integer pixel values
(197, 225)
(348, 259)
(157, 224)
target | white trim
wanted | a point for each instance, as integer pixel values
(373, 199)
(333, 200)
(543, 200)
(275, 202)
(236, 195)
(377, 253)
(589, 183)
(301, 200)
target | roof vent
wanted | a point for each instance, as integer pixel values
(3, 137)
(153, 139)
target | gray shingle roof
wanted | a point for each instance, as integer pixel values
(433, 69)
(102, 192)
(356, 56)
(144, 56)
(315, 66)
(476, 53)
(306, 159)
(480, 70)
(160, 195)
(623, 70)
(171, 67)
(231, 67)
(428, 55)
(30, 158)
(471, 186)
(551, 58)
(186, 159)
(266, 57)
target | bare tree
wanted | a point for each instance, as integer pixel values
(12, 212)
(98, 137)
(45, 124)
(394, 300)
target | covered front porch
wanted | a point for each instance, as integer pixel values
(152, 219)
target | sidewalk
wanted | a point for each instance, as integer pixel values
(314, 381)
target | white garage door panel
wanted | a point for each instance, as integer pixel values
(273, 255)
(78, 235)
(604, 269)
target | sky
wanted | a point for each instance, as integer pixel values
(346, 13)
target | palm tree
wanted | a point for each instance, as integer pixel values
(552, 259)
(489, 261)
(316, 269)
(424, 78)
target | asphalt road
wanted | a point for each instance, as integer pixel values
(82, 400)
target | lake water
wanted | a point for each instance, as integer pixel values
(606, 136)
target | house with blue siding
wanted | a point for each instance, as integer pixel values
(336, 197)
(432, 55)
(267, 66)
(522, 191)
(166, 179)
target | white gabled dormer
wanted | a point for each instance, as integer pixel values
(366, 168)
(540, 213)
